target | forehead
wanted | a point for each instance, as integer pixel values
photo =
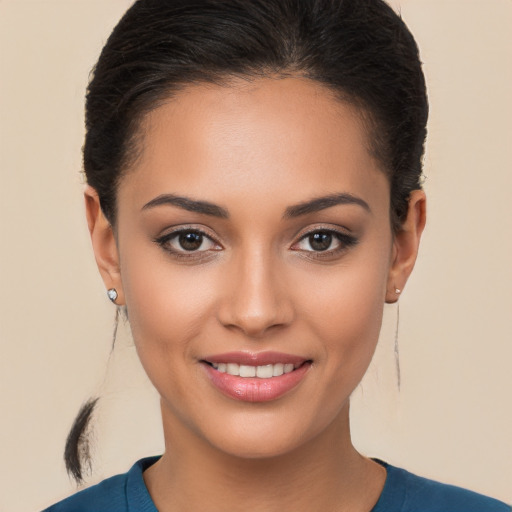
(290, 136)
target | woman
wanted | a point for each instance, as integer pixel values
(254, 199)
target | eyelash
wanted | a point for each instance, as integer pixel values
(164, 243)
(345, 240)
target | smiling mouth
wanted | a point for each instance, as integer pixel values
(260, 377)
(262, 372)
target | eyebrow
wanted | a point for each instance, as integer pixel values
(321, 203)
(192, 205)
(207, 208)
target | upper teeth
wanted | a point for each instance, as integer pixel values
(263, 372)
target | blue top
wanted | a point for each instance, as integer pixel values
(403, 492)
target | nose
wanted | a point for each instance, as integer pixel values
(256, 296)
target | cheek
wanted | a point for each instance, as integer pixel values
(167, 304)
(345, 308)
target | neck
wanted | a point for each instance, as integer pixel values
(326, 473)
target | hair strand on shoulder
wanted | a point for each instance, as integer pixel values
(77, 449)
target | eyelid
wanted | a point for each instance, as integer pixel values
(344, 236)
(180, 228)
(338, 230)
(162, 240)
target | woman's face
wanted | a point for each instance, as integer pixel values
(254, 231)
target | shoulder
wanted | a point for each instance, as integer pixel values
(117, 493)
(413, 493)
(110, 494)
(443, 497)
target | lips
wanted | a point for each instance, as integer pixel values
(257, 377)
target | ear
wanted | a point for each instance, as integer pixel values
(103, 243)
(405, 245)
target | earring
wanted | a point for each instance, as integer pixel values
(112, 295)
(397, 291)
(397, 352)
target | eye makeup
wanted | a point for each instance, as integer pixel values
(195, 244)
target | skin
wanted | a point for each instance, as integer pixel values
(255, 149)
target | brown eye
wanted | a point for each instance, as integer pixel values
(320, 241)
(326, 241)
(190, 241)
(187, 241)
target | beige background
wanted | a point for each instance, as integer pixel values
(452, 419)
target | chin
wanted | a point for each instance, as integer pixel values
(263, 436)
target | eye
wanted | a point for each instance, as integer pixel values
(319, 241)
(325, 241)
(186, 241)
(189, 241)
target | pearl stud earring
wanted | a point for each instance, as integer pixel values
(112, 295)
